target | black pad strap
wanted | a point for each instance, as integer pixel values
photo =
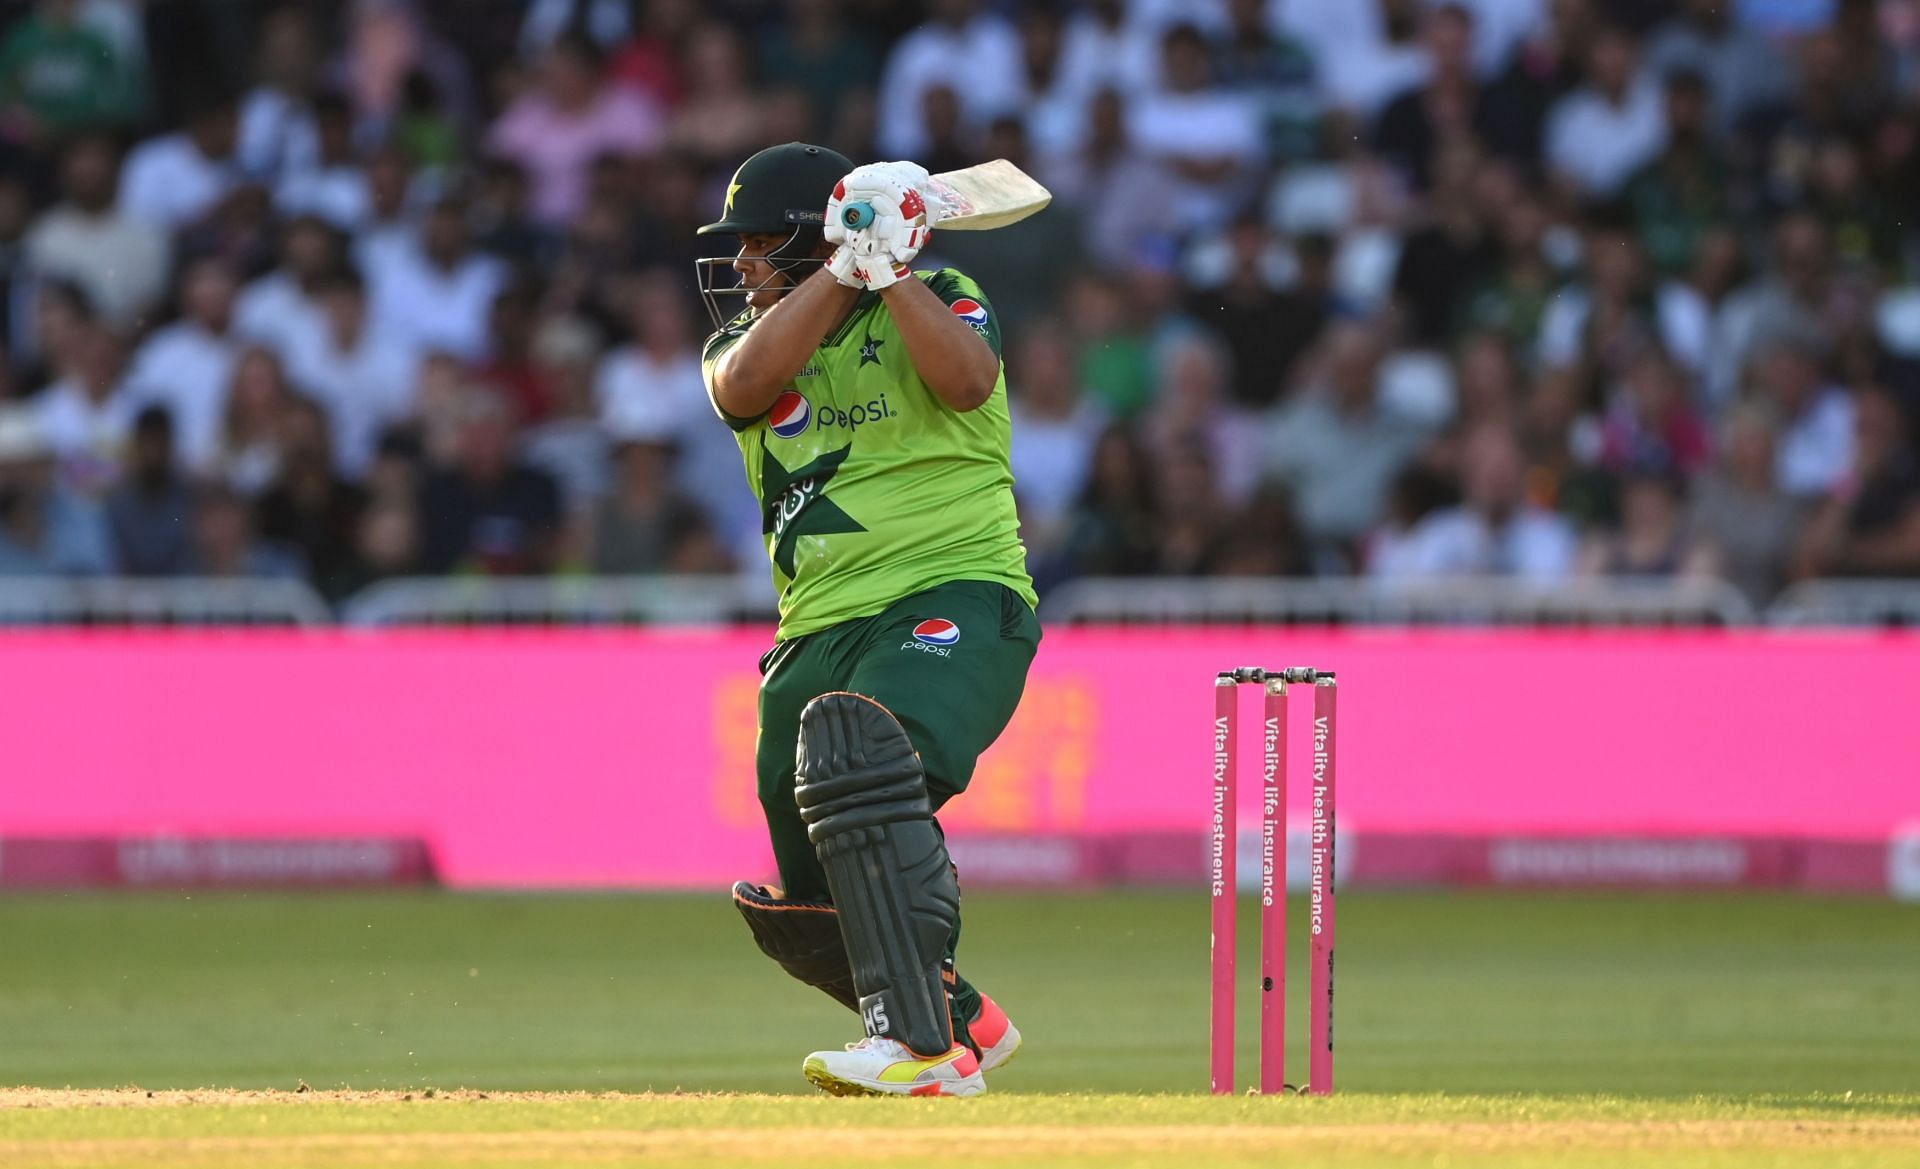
(863, 795)
(802, 936)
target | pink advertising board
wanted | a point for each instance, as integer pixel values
(624, 758)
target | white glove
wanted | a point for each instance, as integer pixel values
(855, 271)
(842, 267)
(888, 195)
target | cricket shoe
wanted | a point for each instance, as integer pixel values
(998, 1038)
(877, 1066)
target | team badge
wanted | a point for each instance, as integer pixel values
(936, 631)
(970, 311)
(790, 414)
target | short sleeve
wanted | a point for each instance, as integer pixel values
(968, 302)
(710, 353)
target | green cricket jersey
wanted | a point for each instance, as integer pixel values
(872, 489)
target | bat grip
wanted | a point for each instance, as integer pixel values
(855, 216)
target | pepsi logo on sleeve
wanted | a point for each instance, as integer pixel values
(790, 415)
(972, 312)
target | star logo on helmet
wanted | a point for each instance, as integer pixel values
(732, 190)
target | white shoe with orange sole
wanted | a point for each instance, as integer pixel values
(877, 1066)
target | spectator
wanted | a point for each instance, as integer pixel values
(1279, 73)
(388, 233)
(1653, 539)
(1377, 47)
(308, 509)
(651, 61)
(1816, 447)
(1744, 75)
(487, 512)
(1649, 422)
(224, 543)
(1799, 295)
(249, 455)
(148, 513)
(1102, 50)
(45, 529)
(61, 315)
(1682, 194)
(1444, 258)
(1191, 526)
(509, 366)
(1114, 363)
(1193, 413)
(1751, 523)
(1055, 429)
(187, 366)
(1496, 531)
(1446, 107)
(278, 128)
(722, 119)
(120, 261)
(1205, 140)
(58, 75)
(1112, 187)
(503, 223)
(1337, 448)
(1870, 525)
(179, 179)
(436, 294)
(823, 55)
(281, 306)
(334, 185)
(84, 416)
(1601, 324)
(388, 43)
(1868, 236)
(573, 116)
(961, 48)
(646, 525)
(1111, 531)
(1544, 67)
(386, 547)
(354, 369)
(1262, 538)
(1600, 134)
(652, 385)
(1265, 328)
(571, 446)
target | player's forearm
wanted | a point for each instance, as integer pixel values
(957, 365)
(752, 374)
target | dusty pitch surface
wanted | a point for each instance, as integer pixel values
(422, 1129)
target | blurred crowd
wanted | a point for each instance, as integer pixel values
(346, 291)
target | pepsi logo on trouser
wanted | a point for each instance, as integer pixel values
(935, 635)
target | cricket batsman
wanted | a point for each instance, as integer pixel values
(871, 409)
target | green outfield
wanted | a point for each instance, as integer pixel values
(1502, 1029)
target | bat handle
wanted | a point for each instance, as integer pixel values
(855, 216)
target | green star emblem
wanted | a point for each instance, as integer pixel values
(870, 352)
(796, 503)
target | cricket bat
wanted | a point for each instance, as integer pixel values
(978, 198)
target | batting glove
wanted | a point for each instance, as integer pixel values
(842, 267)
(878, 211)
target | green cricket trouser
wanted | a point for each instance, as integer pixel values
(953, 700)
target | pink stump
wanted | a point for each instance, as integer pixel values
(1273, 889)
(1222, 869)
(1321, 898)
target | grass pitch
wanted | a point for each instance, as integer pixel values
(479, 1031)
